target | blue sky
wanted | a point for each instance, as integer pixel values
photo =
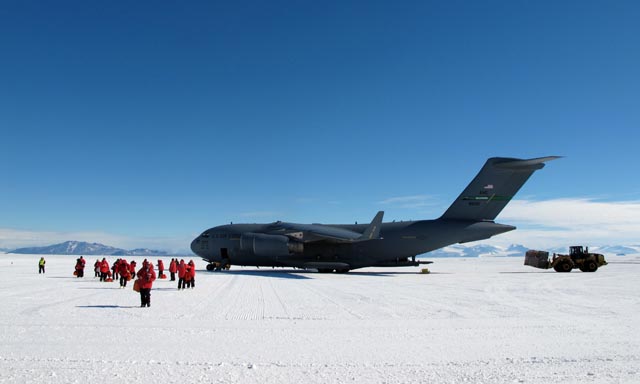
(139, 124)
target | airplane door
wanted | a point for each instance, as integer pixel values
(224, 257)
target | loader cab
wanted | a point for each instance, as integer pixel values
(578, 251)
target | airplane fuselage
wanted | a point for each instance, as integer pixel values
(398, 244)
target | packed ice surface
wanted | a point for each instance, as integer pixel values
(482, 320)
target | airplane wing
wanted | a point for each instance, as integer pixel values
(320, 232)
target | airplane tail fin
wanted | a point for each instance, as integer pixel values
(493, 187)
(373, 230)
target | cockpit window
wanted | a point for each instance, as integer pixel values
(205, 235)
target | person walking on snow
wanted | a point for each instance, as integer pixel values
(132, 268)
(125, 274)
(114, 269)
(182, 269)
(80, 262)
(147, 276)
(41, 265)
(192, 271)
(173, 268)
(161, 269)
(104, 269)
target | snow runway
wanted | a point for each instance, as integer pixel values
(489, 320)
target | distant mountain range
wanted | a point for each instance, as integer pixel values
(458, 250)
(83, 248)
(517, 250)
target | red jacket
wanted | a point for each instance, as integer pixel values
(182, 267)
(193, 269)
(104, 266)
(123, 268)
(147, 276)
(173, 266)
(160, 266)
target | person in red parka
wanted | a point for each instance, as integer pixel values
(124, 272)
(187, 276)
(173, 268)
(161, 269)
(147, 276)
(104, 269)
(80, 267)
(114, 269)
(132, 268)
(182, 269)
(192, 272)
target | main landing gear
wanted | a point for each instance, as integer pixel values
(217, 267)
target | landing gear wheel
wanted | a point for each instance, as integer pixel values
(324, 270)
(342, 270)
(211, 267)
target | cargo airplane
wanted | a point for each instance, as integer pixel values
(343, 247)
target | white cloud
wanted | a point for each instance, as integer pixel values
(564, 222)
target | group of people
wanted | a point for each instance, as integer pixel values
(124, 271)
(186, 273)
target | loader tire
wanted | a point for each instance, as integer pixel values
(590, 266)
(563, 266)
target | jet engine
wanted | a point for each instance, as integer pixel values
(269, 245)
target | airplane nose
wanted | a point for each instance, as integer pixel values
(194, 244)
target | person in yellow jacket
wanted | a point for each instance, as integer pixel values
(41, 265)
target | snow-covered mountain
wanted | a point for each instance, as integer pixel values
(459, 250)
(617, 249)
(83, 248)
(518, 250)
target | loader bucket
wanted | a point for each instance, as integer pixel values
(537, 259)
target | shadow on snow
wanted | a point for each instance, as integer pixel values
(282, 274)
(107, 306)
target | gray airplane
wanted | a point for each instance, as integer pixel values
(343, 247)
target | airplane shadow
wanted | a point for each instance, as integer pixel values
(283, 274)
(106, 306)
(392, 273)
(310, 274)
